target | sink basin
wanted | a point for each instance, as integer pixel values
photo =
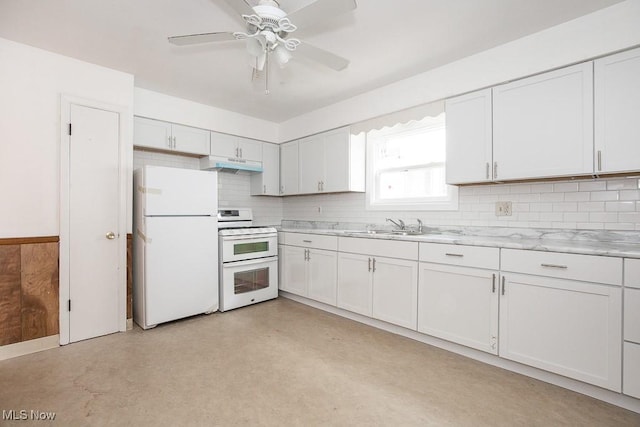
(387, 232)
(405, 232)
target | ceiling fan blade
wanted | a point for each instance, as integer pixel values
(322, 56)
(240, 6)
(201, 38)
(319, 11)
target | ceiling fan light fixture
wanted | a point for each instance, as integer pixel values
(282, 55)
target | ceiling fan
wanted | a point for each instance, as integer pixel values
(268, 30)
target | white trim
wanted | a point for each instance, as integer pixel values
(608, 396)
(27, 347)
(125, 128)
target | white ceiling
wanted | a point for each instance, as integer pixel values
(386, 40)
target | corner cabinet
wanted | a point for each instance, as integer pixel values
(331, 162)
(289, 169)
(469, 138)
(543, 125)
(563, 313)
(159, 135)
(617, 109)
(267, 183)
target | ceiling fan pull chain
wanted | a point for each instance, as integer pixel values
(266, 73)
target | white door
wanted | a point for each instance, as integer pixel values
(181, 267)
(543, 125)
(250, 149)
(617, 108)
(294, 270)
(311, 164)
(469, 138)
(563, 326)
(289, 168)
(190, 140)
(322, 275)
(395, 291)
(94, 207)
(459, 304)
(354, 283)
(224, 145)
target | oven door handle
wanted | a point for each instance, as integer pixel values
(256, 237)
(249, 261)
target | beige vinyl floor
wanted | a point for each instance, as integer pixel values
(281, 363)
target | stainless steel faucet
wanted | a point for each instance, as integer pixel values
(419, 226)
(399, 224)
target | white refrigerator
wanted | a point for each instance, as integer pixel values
(175, 252)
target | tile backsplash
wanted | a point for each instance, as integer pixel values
(590, 204)
(233, 189)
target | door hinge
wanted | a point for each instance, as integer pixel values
(69, 128)
(69, 305)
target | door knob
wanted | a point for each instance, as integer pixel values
(111, 235)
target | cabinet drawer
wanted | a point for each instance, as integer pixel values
(465, 256)
(632, 273)
(587, 268)
(379, 247)
(315, 241)
(631, 370)
(632, 315)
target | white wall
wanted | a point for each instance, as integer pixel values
(155, 105)
(31, 83)
(599, 33)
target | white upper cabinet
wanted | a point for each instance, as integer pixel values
(617, 112)
(543, 125)
(235, 147)
(289, 168)
(267, 183)
(331, 162)
(469, 138)
(161, 135)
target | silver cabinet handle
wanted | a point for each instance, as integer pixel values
(454, 255)
(554, 266)
(241, 153)
(308, 254)
(282, 189)
(503, 280)
(369, 265)
(306, 251)
(237, 151)
(487, 170)
(307, 241)
(264, 189)
(374, 265)
(493, 284)
(110, 235)
(174, 142)
(495, 170)
(322, 185)
(599, 160)
(170, 142)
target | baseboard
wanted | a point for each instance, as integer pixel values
(129, 324)
(28, 347)
(608, 396)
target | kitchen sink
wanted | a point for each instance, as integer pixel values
(387, 232)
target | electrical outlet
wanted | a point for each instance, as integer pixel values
(503, 209)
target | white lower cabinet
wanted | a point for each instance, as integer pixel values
(459, 304)
(355, 283)
(322, 275)
(631, 379)
(395, 291)
(568, 327)
(294, 272)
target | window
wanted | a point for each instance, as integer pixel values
(406, 167)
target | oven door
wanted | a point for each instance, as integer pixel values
(248, 282)
(240, 248)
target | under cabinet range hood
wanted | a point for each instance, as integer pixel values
(225, 164)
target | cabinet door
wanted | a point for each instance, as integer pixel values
(459, 304)
(224, 145)
(152, 133)
(337, 161)
(267, 183)
(631, 377)
(190, 140)
(469, 138)
(543, 125)
(311, 164)
(617, 109)
(355, 283)
(395, 291)
(294, 270)
(250, 149)
(567, 327)
(322, 275)
(289, 168)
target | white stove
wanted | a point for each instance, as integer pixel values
(248, 259)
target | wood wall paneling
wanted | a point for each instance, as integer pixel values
(40, 290)
(10, 295)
